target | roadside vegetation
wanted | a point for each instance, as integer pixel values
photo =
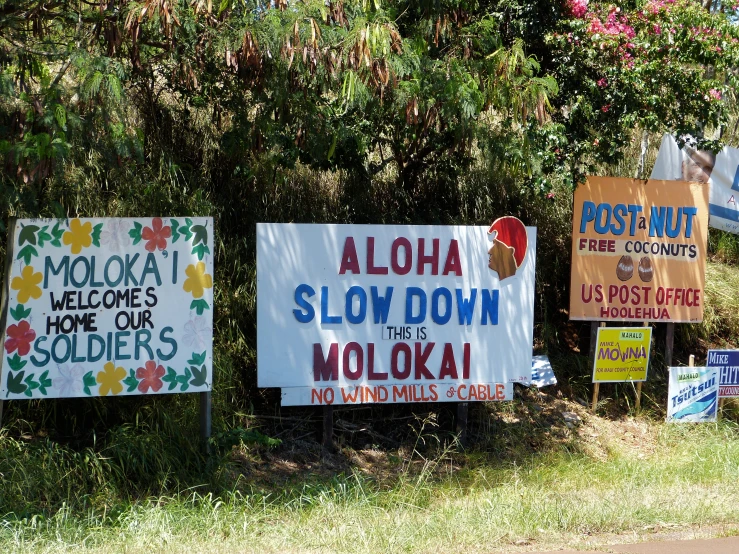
(450, 112)
(531, 481)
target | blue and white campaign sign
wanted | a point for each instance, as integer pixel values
(352, 314)
(727, 364)
(721, 171)
(693, 394)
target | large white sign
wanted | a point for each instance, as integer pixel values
(692, 394)
(390, 313)
(721, 171)
(98, 307)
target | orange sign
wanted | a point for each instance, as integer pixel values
(639, 250)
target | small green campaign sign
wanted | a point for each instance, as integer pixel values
(108, 306)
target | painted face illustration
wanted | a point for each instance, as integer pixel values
(698, 165)
(509, 246)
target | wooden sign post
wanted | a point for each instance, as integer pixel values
(327, 439)
(593, 343)
(4, 304)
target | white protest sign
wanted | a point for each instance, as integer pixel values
(392, 313)
(720, 171)
(109, 306)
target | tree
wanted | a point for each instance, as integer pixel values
(660, 65)
(355, 85)
(418, 88)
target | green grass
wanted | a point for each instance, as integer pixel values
(691, 477)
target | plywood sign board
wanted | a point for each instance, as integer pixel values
(638, 250)
(350, 314)
(109, 306)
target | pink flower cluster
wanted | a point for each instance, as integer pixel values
(578, 8)
(614, 25)
(706, 31)
(657, 5)
(715, 94)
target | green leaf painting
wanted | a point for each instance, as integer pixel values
(96, 231)
(200, 234)
(44, 382)
(185, 230)
(131, 382)
(200, 251)
(135, 233)
(27, 234)
(31, 385)
(199, 376)
(20, 312)
(184, 380)
(15, 383)
(171, 378)
(15, 362)
(199, 306)
(26, 253)
(197, 359)
(57, 233)
(43, 236)
(175, 232)
(88, 381)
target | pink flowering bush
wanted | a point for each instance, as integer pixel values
(621, 68)
(578, 8)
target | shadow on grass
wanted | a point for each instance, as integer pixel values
(279, 456)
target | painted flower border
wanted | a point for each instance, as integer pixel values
(195, 375)
(62, 234)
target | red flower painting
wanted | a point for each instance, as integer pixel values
(151, 377)
(19, 337)
(156, 236)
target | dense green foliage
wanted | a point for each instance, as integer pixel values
(445, 111)
(114, 90)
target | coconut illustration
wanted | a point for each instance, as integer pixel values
(625, 268)
(646, 271)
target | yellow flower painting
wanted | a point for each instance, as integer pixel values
(27, 284)
(110, 379)
(79, 235)
(197, 280)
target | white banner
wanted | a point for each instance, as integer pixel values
(99, 307)
(692, 394)
(721, 171)
(356, 307)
